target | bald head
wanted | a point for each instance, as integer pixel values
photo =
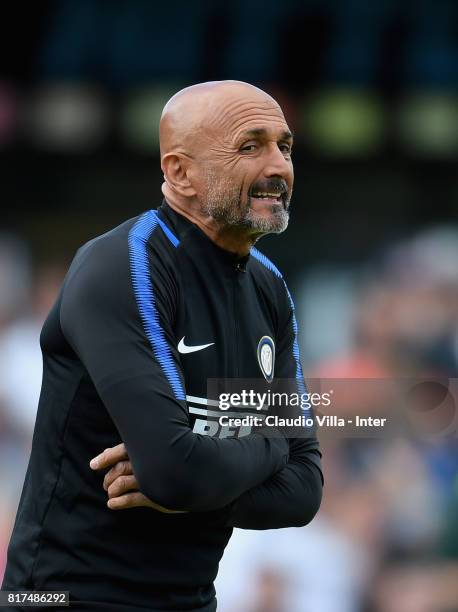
(226, 156)
(206, 107)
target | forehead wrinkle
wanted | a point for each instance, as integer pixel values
(275, 113)
(258, 123)
(234, 103)
(226, 111)
(263, 123)
(223, 116)
(239, 107)
(259, 120)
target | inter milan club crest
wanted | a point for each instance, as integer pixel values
(266, 357)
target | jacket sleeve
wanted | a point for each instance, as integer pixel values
(117, 311)
(292, 496)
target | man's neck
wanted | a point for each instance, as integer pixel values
(230, 239)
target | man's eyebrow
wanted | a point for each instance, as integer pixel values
(259, 132)
(287, 135)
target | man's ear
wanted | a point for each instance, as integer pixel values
(175, 166)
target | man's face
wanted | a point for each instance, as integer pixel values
(245, 168)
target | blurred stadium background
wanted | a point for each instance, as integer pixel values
(370, 89)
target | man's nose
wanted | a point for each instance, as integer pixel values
(277, 163)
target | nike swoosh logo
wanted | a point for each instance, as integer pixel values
(183, 348)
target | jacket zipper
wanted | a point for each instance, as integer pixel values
(239, 269)
(236, 326)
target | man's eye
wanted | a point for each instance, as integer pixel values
(249, 147)
(285, 148)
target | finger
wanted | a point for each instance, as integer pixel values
(122, 468)
(121, 485)
(135, 499)
(109, 457)
(129, 500)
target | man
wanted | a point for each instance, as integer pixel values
(147, 313)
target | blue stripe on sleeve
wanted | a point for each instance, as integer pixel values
(144, 295)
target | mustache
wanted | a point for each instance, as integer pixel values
(271, 185)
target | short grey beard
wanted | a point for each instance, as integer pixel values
(275, 225)
(222, 203)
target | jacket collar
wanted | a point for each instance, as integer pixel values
(188, 232)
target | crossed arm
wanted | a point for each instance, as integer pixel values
(290, 498)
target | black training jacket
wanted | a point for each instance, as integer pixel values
(147, 313)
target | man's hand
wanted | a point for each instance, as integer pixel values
(120, 482)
